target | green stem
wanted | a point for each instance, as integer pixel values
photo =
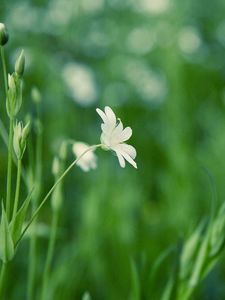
(53, 188)
(50, 252)
(2, 277)
(4, 69)
(32, 265)
(16, 203)
(33, 238)
(9, 171)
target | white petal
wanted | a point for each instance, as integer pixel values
(129, 159)
(121, 159)
(120, 150)
(118, 129)
(111, 117)
(125, 134)
(130, 150)
(101, 114)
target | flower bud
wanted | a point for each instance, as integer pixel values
(55, 166)
(4, 37)
(14, 95)
(35, 95)
(20, 64)
(63, 150)
(57, 198)
(19, 138)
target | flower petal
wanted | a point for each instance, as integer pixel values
(127, 151)
(101, 114)
(129, 159)
(130, 150)
(111, 117)
(121, 159)
(125, 134)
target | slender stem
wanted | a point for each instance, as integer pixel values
(53, 188)
(4, 69)
(33, 238)
(50, 253)
(2, 277)
(19, 167)
(32, 265)
(9, 171)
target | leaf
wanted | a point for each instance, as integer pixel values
(6, 241)
(135, 283)
(16, 225)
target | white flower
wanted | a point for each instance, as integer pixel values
(89, 160)
(114, 135)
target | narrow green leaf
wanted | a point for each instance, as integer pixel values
(6, 241)
(16, 225)
(190, 249)
(135, 283)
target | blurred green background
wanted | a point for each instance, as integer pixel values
(160, 65)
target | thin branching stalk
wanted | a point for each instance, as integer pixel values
(53, 188)
(50, 253)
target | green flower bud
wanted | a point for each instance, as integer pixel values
(19, 138)
(4, 37)
(63, 150)
(35, 95)
(14, 95)
(20, 64)
(55, 166)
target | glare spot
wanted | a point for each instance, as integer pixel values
(153, 6)
(92, 6)
(17, 19)
(140, 40)
(59, 12)
(220, 33)
(189, 40)
(151, 85)
(81, 83)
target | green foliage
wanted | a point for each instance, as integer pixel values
(160, 65)
(6, 240)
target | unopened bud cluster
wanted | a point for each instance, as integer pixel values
(14, 95)
(19, 138)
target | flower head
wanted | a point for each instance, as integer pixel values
(89, 160)
(114, 135)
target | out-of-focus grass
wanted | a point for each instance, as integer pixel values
(160, 65)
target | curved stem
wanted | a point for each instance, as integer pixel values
(9, 171)
(53, 188)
